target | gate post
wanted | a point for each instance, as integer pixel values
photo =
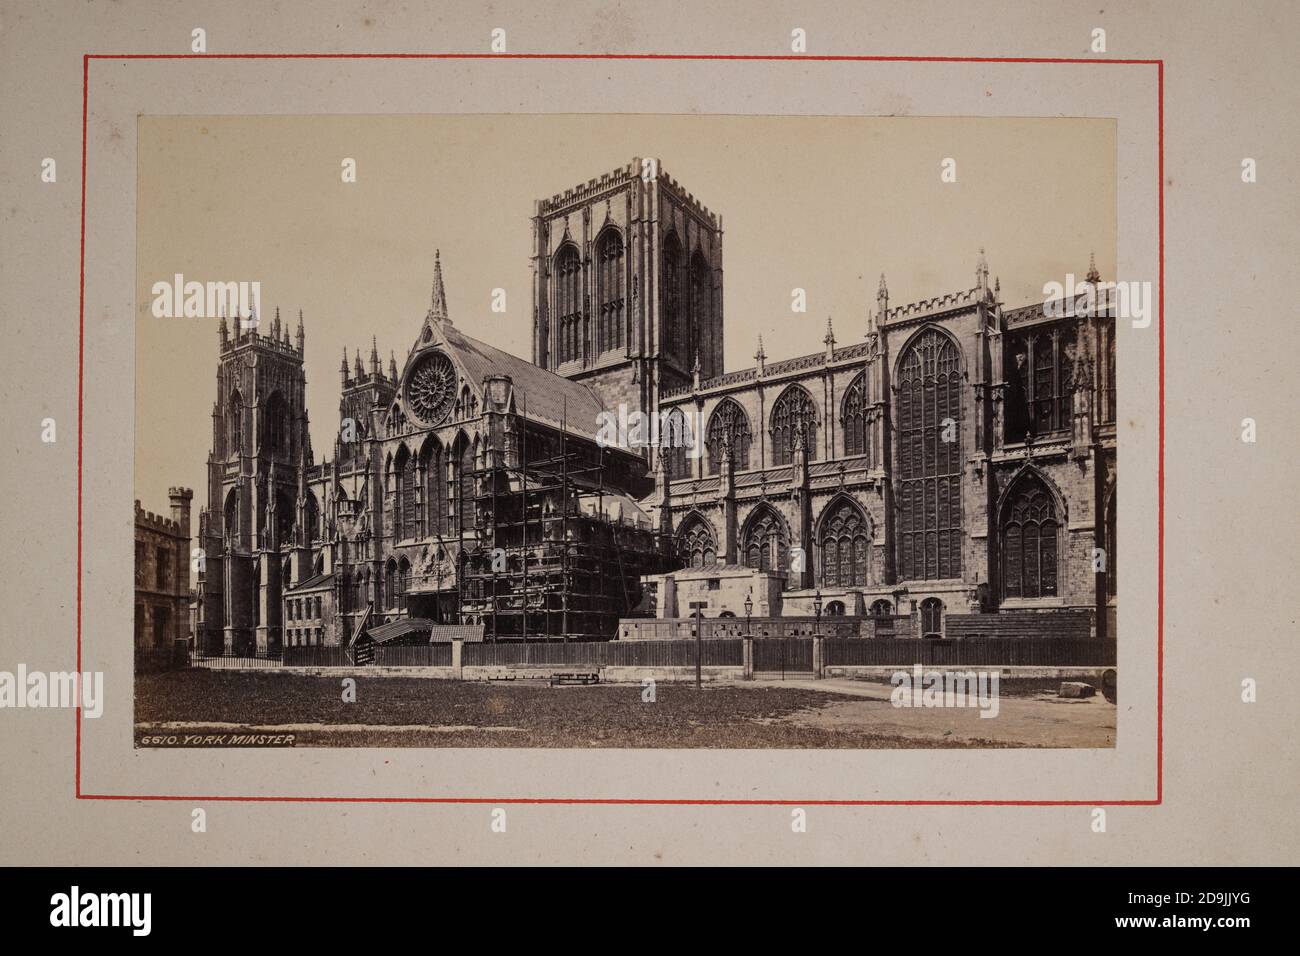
(748, 656)
(817, 657)
(458, 669)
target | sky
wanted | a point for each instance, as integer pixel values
(825, 204)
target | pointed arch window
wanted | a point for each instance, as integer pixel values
(1029, 534)
(390, 585)
(403, 583)
(465, 505)
(929, 459)
(932, 618)
(853, 419)
(235, 424)
(277, 425)
(729, 437)
(674, 311)
(407, 523)
(435, 489)
(766, 542)
(696, 545)
(568, 303)
(701, 302)
(845, 542)
(677, 443)
(794, 420)
(610, 291)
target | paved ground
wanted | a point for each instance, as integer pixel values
(399, 711)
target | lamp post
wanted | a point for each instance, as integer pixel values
(749, 609)
(817, 612)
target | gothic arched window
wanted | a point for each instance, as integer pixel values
(277, 424)
(231, 515)
(235, 423)
(845, 542)
(674, 311)
(932, 618)
(882, 608)
(403, 583)
(696, 545)
(794, 418)
(701, 301)
(390, 585)
(766, 541)
(610, 282)
(676, 441)
(465, 504)
(853, 418)
(408, 519)
(568, 302)
(435, 488)
(929, 459)
(728, 437)
(1029, 529)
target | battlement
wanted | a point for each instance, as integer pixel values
(149, 521)
(592, 188)
(939, 303)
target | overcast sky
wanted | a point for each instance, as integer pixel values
(821, 203)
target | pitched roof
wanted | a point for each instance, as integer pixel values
(545, 397)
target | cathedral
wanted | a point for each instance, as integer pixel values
(956, 461)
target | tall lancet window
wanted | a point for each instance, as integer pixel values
(929, 459)
(794, 419)
(610, 290)
(568, 303)
(857, 437)
(701, 303)
(674, 313)
(235, 424)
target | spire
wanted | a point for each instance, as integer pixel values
(343, 366)
(438, 300)
(301, 336)
(695, 370)
(392, 366)
(374, 356)
(1093, 275)
(275, 325)
(223, 331)
(760, 356)
(981, 271)
(359, 372)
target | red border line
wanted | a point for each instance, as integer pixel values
(1160, 469)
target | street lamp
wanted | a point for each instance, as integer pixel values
(817, 612)
(749, 609)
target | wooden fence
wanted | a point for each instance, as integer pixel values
(996, 652)
(605, 654)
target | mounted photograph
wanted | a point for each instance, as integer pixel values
(460, 431)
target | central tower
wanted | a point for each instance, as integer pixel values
(627, 286)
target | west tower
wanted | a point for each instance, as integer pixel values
(260, 518)
(627, 286)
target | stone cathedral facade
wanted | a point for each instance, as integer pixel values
(958, 457)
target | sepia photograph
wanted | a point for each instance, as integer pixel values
(479, 416)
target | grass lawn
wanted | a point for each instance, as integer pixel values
(398, 711)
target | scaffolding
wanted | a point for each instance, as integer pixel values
(555, 563)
